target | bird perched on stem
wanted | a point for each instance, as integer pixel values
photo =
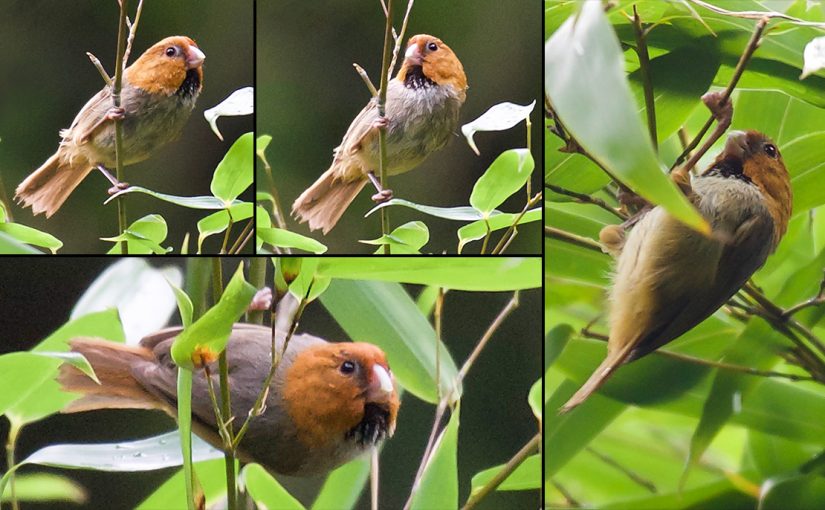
(326, 404)
(422, 107)
(669, 277)
(158, 94)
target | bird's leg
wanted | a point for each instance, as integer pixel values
(383, 195)
(116, 184)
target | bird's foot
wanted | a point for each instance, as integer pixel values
(117, 188)
(115, 113)
(381, 122)
(384, 195)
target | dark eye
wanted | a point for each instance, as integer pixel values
(432, 46)
(347, 367)
(770, 150)
(171, 51)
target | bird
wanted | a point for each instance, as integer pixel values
(422, 107)
(326, 404)
(669, 277)
(158, 93)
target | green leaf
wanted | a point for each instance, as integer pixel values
(184, 408)
(500, 117)
(506, 175)
(210, 473)
(202, 202)
(261, 143)
(609, 128)
(439, 482)
(219, 221)
(11, 246)
(406, 239)
(211, 332)
(678, 88)
(473, 274)
(240, 102)
(525, 477)
(285, 239)
(21, 373)
(343, 486)
(266, 491)
(478, 229)
(46, 487)
(534, 399)
(143, 236)
(385, 315)
(801, 491)
(234, 172)
(31, 236)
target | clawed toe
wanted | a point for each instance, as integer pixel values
(117, 188)
(382, 196)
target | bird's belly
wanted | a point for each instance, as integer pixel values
(421, 122)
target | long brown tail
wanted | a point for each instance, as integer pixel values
(49, 186)
(112, 363)
(323, 203)
(598, 377)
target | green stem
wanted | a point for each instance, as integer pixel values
(226, 405)
(382, 131)
(121, 47)
(11, 443)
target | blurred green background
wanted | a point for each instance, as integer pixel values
(308, 93)
(496, 420)
(46, 78)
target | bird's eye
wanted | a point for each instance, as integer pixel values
(171, 51)
(347, 367)
(770, 150)
(432, 46)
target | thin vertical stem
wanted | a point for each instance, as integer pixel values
(226, 405)
(647, 82)
(382, 131)
(121, 47)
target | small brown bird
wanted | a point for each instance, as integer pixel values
(669, 278)
(422, 107)
(327, 403)
(158, 94)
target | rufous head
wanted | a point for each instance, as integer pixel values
(173, 65)
(428, 58)
(752, 156)
(340, 391)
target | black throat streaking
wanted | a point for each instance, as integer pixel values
(415, 78)
(728, 167)
(191, 84)
(373, 427)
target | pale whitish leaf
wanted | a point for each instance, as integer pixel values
(140, 293)
(142, 455)
(240, 102)
(814, 57)
(499, 117)
(202, 202)
(464, 213)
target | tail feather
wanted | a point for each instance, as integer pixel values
(112, 363)
(613, 361)
(49, 186)
(323, 203)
